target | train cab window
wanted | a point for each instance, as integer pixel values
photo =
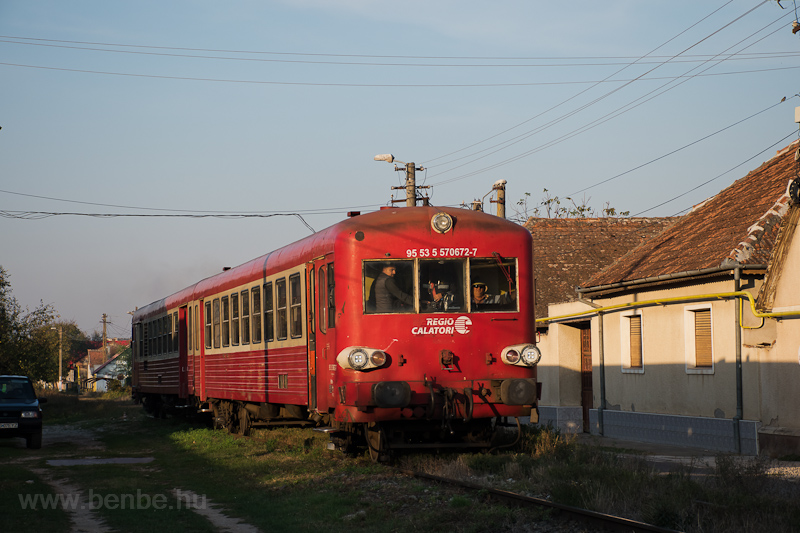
(226, 322)
(295, 311)
(493, 284)
(441, 286)
(388, 286)
(235, 319)
(281, 311)
(245, 317)
(216, 324)
(208, 325)
(256, 292)
(269, 313)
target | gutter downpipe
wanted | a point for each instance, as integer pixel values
(602, 357)
(737, 272)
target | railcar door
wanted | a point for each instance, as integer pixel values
(312, 338)
(183, 355)
(324, 316)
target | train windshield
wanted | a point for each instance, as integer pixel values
(440, 285)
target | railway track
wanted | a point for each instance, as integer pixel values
(600, 521)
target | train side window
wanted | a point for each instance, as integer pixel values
(235, 320)
(216, 323)
(269, 313)
(387, 293)
(226, 322)
(162, 323)
(322, 310)
(441, 286)
(256, 292)
(331, 297)
(175, 337)
(493, 284)
(281, 318)
(245, 317)
(196, 327)
(145, 340)
(295, 311)
(208, 325)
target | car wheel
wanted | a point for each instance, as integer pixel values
(34, 441)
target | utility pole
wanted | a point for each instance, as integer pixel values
(60, 356)
(500, 187)
(105, 345)
(411, 180)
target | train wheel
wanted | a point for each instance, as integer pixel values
(376, 442)
(244, 422)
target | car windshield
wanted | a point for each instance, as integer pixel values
(16, 389)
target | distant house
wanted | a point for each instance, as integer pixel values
(114, 369)
(89, 365)
(567, 251)
(672, 357)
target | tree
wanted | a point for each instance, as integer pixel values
(27, 344)
(550, 207)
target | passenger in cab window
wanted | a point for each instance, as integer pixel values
(386, 293)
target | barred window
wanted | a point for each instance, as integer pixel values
(245, 317)
(269, 314)
(256, 292)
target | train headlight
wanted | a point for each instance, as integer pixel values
(442, 222)
(358, 359)
(361, 358)
(531, 355)
(521, 355)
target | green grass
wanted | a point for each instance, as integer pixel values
(286, 479)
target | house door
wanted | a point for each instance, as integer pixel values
(586, 375)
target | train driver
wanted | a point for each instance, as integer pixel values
(481, 297)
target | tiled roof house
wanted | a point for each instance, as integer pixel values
(738, 225)
(682, 362)
(568, 251)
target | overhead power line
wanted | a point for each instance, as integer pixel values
(369, 56)
(586, 127)
(188, 212)
(38, 215)
(567, 61)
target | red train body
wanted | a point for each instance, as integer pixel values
(297, 334)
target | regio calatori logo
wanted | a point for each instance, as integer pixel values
(443, 326)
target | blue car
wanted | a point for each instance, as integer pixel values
(20, 414)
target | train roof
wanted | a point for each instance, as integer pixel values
(321, 243)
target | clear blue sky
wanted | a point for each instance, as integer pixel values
(279, 107)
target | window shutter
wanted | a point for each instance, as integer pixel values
(702, 338)
(636, 341)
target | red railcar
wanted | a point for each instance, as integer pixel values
(298, 335)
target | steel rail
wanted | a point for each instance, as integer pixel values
(610, 522)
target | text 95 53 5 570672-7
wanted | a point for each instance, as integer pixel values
(442, 252)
